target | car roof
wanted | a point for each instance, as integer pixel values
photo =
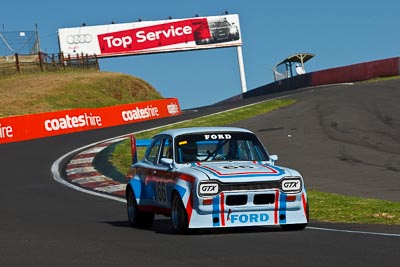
(180, 131)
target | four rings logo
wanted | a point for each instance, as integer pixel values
(79, 38)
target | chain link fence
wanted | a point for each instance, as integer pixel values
(20, 53)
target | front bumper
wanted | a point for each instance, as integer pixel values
(257, 208)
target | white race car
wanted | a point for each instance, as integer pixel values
(210, 177)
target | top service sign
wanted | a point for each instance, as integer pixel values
(151, 36)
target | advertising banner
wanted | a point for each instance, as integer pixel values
(19, 128)
(151, 36)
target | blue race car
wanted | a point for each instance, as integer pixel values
(210, 177)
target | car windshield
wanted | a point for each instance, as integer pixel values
(219, 146)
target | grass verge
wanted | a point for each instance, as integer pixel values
(325, 207)
(330, 207)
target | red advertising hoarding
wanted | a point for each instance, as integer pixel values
(151, 36)
(19, 128)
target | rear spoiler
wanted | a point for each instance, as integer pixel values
(135, 144)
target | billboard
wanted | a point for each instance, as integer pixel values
(151, 36)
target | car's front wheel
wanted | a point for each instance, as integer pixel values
(293, 227)
(179, 218)
(137, 218)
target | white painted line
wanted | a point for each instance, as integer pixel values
(81, 161)
(94, 179)
(82, 170)
(55, 167)
(111, 188)
(352, 232)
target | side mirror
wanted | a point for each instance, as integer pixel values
(166, 161)
(273, 158)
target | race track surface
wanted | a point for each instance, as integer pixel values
(344, 139)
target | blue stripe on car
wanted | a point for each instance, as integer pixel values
(215, 213)
(282, 208)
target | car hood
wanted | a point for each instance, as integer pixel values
(242, 171)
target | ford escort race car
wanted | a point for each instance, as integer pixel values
(210, 177)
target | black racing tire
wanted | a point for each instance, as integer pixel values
(179, 217)
(293, 227)
(137, 218)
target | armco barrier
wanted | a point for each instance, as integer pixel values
(19, 128)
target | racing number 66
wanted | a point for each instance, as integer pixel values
(161, 189)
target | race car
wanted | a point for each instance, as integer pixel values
(213, 177)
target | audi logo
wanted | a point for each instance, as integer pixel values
(79, 39)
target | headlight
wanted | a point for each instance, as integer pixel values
(208, 189)
(291, 185)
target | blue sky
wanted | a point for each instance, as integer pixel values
(338, 32)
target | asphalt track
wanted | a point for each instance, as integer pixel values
(344, 139)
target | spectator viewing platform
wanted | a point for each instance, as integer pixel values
(284, 68)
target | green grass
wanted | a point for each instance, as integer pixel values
(324, 207)
(22, 94)
(379, 79)
(329, 207)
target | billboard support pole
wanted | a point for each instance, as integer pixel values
(241, 69)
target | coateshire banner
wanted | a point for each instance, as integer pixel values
(151, 36)
(19, 128)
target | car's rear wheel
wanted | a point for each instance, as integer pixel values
(137, 218)
(179, 218)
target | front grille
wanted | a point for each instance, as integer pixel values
(248, 186)
(241, 200)
(263, 199)
(236, 200)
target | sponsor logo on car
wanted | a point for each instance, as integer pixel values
(217, 136)
(248, 218)
(291, 185)
(208, 189)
